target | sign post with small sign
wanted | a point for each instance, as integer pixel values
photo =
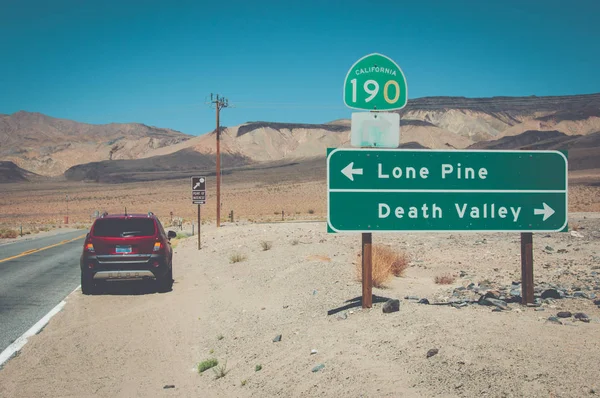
(199, 198)
(375, 83)
(433, 190)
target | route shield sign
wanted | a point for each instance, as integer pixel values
(199, 190)
(375, 129)
(446, 190)
(375, 82)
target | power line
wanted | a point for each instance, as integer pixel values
(284, 105)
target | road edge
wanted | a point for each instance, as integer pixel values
(19, 343)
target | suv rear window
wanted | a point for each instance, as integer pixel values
(116, 227)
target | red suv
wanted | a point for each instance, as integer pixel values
(127, 246)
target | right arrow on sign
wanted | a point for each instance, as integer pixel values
(349, 171)
(547, 211)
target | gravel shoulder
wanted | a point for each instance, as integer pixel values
(131, 341)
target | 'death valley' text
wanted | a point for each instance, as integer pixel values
(462, 209)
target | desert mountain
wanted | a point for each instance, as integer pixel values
(49, 146)
(583, 154)
(180, 164)
(10, 172)
(268, 141)
(432, 122)
(481, 119)
(583, 150)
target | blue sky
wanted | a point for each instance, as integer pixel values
(156, 62)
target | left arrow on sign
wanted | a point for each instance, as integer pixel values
(349, 171)
(547, 211)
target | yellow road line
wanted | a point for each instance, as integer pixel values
(25, 253)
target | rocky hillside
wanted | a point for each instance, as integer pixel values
(10, 172)
(49, 146)
(432, 122)
(481, 119)
(583, 150)
(180, 164)
(267, 141)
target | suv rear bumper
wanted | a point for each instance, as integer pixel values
(128, 266)
(123, 274)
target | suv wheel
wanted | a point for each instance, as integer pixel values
(88, 286)
(165, 282)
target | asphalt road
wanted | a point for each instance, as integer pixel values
(32, 284)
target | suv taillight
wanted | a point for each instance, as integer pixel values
(157, 246)
(89, 247)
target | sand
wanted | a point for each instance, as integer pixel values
(131, 341)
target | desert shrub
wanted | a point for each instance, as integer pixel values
(207, 364)
(295, 242)
(221, 370)
(8, 234)
(386, 262)
(236, 258)
(266, 245)
(182, 235)
(575, 227)
(311, 211)
(444, 279)
(400, 264)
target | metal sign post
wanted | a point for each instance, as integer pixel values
(199, 198)
(199, 223)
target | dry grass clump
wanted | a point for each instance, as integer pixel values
(575, 227)
(266, 245)
(8, 234)
(444, 279)
(236, 258)
(386, 262)
(400, 264)
(318, 257)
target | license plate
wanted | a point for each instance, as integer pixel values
(123, 249)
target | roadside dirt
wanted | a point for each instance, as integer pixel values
(299, 190)
(131, 341)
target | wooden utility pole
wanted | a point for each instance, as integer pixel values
(220, 102)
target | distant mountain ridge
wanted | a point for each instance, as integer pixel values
(583, 150)
(48, 146)
(505, 104)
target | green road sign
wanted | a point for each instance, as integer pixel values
(446, 190)
(375, 82)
